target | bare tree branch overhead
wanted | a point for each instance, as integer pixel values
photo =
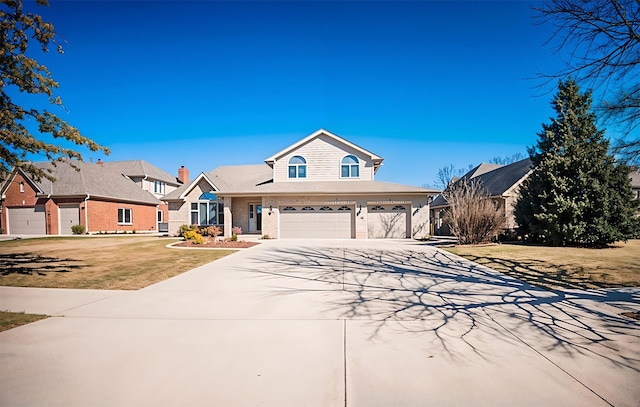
(599, 41)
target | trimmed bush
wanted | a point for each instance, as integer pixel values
(77, 229)
(193, 236)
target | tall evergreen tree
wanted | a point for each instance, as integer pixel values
(577, 193)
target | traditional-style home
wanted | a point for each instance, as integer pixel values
(323, 186)
(501, 182)
(100, 196)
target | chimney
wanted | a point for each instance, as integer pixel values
(183, 175)
(99, 162)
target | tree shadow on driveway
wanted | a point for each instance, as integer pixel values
(427, 290)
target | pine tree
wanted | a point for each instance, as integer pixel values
(577, 193)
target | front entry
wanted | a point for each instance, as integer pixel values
(255, 217)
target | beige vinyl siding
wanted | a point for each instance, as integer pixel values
(323, 156)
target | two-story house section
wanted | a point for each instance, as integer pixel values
(323, 186)
(150, 178)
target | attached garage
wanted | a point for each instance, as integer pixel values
(69, 216)
(387, 222)
(27, 221)
(323, 222)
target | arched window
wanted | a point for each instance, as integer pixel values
(209, 210)
(399, 208)
(377, 208)
(350, 167)
(297, 167)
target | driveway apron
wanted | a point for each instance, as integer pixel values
(327, 323)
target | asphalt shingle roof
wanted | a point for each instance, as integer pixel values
(141, 168)
(258, 179)
(92, 179)
(497, 181)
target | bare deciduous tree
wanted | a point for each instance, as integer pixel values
(473, 217)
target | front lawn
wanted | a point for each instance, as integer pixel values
(96, 262)
(561, 267)
(10, 320)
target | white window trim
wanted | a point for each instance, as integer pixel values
(124, 217)
(297, 167)
(351, 165)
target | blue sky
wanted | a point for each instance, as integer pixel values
(201, 84)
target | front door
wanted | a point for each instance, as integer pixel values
(255, 218)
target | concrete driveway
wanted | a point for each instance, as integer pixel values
(325, 323)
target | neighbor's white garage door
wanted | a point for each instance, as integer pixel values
(387, 222)
(69, 216)
(324, 222)
(27, 221)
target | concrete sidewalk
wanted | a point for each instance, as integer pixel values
(325, 323)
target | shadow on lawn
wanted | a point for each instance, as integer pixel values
(533, 272)
(29, 264)
(430, 291)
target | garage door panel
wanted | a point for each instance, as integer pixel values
(69, 216)
(387, 224)
(27, 221)
(324, 224)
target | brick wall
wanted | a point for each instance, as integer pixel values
(103, 217)
(16, 199)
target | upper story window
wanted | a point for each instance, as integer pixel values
(22, 187)
(159, 187)
(297, 167)
(350, 167)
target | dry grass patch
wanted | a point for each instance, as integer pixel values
(561, 267)
(93, 262)
(10, 320)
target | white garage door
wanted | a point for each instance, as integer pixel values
(324, 222)
(69, 216)
(27, 221)
(387, 222)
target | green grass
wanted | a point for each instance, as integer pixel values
(561, 267)
(96, 262)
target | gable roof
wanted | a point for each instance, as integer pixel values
(93, 180)
(497, 181)
(238, 180)
(183, 190)
(141, 168)
(377, 160)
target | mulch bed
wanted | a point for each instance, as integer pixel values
(218, 244)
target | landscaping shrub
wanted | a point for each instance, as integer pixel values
(193, 236)
(77, 229)
(213, 231)
(235, 232)
(185, 228)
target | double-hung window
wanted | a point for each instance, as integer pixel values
(297, 167)
(125, 216)
(159, 187)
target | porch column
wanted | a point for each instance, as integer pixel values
(228, 217)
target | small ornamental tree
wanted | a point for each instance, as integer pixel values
(473, 217)
(577, 193)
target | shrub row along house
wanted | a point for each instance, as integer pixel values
(323, 186)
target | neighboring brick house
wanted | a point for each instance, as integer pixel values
(501, 182)
(99, 196)
(320, 187)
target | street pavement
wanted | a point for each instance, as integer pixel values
(324, 323)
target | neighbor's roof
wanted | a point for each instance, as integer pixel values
(94, 180)
(496, 181)
(258, 180)
(141, 168)
(377, 160)
(635, 179)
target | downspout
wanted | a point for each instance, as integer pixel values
(86, 214)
